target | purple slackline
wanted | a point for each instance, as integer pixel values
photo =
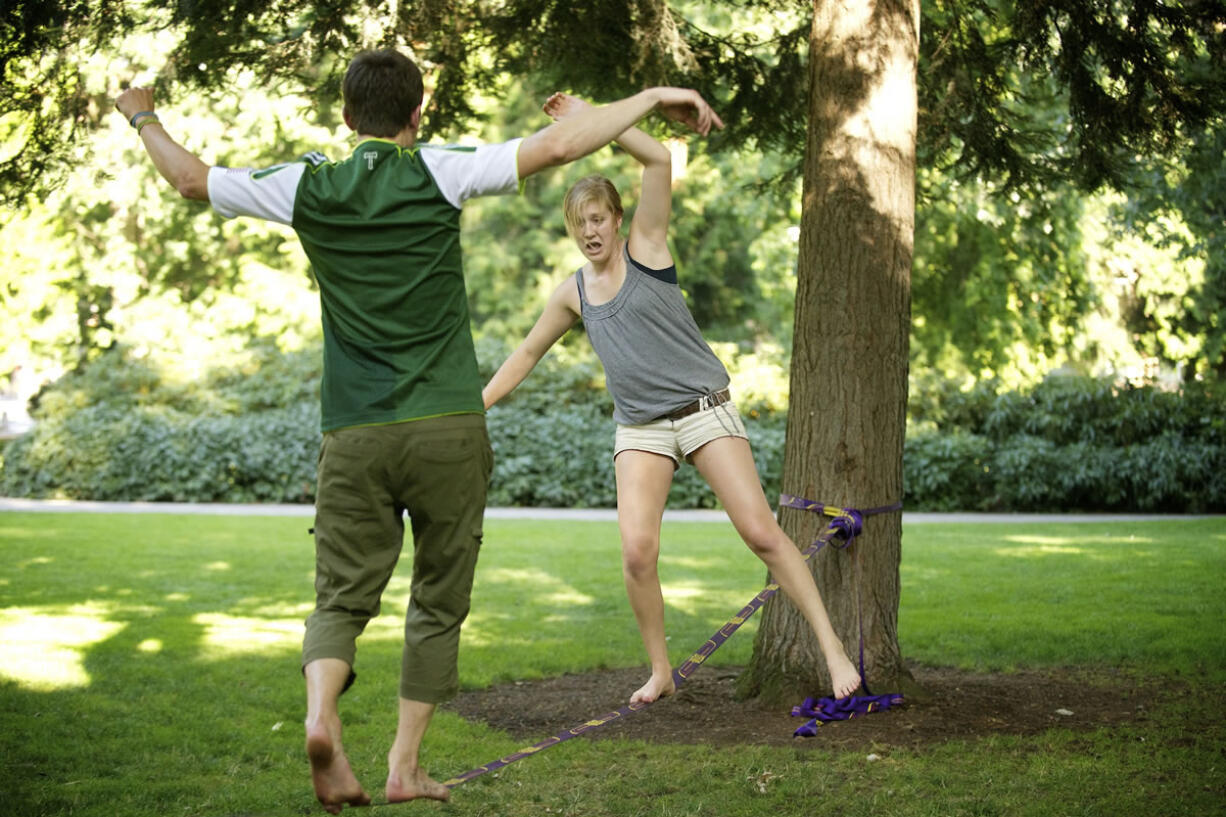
(845, 522)
(832, 709)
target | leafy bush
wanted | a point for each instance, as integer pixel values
(1065, 409)
(947, 471)
(157, 454)
(564, 459)
(1162, 474)
(1069, 443)
(553, 459)
(553, 445)
(121, 429)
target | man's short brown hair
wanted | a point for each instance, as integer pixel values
(382, 89)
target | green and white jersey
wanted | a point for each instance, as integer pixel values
(382, 232)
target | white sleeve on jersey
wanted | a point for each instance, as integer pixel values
(464, 173)
(267, 194)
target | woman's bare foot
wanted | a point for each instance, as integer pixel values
(561, 105)
(403, 786)
(335, 783)
(657, 686)
(843, 675)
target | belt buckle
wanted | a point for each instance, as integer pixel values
(704, 402)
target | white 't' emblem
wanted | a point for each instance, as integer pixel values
(370, 157)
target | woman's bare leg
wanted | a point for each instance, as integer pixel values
(727, 465)
(643, 480)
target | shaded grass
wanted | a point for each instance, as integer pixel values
(1117, 773)
(150, 666)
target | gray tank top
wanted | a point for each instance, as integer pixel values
(654, 357)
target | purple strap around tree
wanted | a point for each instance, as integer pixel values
(842, 709)
(848, 522)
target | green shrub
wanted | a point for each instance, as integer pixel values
(563, 458)
(947, 471)
(559, 459)
(1065, 409)
(156, 454)
(121, 429)
(1069, 443)
(1164, 474)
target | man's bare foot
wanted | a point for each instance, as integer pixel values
(403, 786)
(843, 675)
(656, 687)
(335, 783)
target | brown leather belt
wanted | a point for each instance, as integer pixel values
(701, 404)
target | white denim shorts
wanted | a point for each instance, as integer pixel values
(678, 439)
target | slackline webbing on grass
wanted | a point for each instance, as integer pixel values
(845, 523)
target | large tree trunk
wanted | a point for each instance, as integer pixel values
(847, 412)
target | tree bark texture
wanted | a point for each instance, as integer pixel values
(847, 414)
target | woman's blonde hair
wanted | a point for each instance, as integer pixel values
(594, 188)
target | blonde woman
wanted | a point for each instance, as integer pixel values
(670, 395)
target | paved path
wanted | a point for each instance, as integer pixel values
(589, 514)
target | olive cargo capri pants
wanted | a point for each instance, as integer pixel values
(437, 470)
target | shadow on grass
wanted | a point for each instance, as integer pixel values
(152, 662)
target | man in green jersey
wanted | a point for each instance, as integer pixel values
(402, 413)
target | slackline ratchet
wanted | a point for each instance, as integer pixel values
(845, 523)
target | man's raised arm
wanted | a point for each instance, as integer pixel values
(576, 136)
(179, 166)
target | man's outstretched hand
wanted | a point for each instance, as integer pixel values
(687, 106)
(132, 101)
(678, 104)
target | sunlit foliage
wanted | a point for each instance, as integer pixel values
(1015, 274)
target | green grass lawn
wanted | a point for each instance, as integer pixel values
(150, 667)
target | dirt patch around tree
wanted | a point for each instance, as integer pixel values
(954, 705)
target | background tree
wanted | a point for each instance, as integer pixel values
(1130, 76)
(1192, 187)
(849, 360)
